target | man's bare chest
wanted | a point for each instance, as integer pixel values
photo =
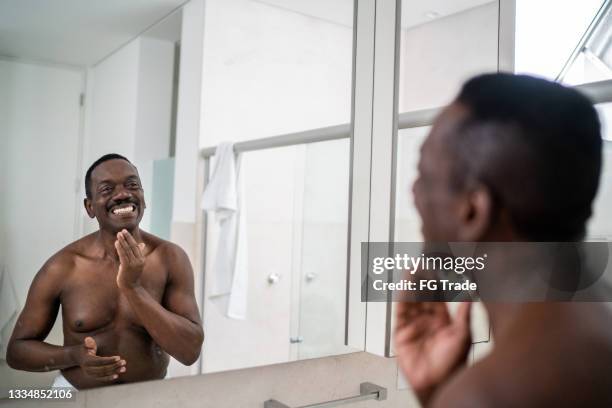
(92, 301)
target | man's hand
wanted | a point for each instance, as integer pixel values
(429, 345)
(131, 258)
(99, 368)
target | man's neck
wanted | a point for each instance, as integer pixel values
(106, 239)
(508, 319)
(503, 315)
(513, 286)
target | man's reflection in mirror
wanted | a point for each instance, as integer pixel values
(127, 296)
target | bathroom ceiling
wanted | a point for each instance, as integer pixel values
(414, 12)
(75, 32)
(82, 32)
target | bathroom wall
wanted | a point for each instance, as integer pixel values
(129, 108)
(438, 56)
(39, 123)
(269, 71)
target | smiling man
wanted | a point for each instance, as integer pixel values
(127, 296)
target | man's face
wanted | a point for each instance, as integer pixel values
(117, 198)
(436, 201)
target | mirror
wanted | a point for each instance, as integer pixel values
(159, 81)
(273, 68)
(78, 82)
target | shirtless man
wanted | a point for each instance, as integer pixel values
(127, 296)
(511, 159)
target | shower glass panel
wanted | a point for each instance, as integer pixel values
(296, 204)
(323, 268)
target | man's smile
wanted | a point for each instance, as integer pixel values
(124, 210)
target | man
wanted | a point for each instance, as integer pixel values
(127, 296)
(513, 158)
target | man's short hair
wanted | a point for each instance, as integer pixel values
(106, 157)
(537, 146)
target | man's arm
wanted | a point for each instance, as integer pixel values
(27, 350)
(176, 328)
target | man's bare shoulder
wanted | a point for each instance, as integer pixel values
(61, 264)
(170, 252)
(523, 373)
(473, 387)
(82, 247)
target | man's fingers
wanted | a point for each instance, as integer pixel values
(102, 371)
(102, 361)
(105, 371)
(120, 251)
(440, 309)
(412, 330)
(134, 247)
(408, 311)
(108, 378)
(129, 254)
(90, 345)
(124, 257)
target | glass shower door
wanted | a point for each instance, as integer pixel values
(321, 270)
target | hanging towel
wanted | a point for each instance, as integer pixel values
(223, 196)
(9, 308)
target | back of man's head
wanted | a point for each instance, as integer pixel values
(537, 146)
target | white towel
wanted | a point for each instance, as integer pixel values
(9, 308)
(223, 196)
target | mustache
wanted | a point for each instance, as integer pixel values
(113, 203)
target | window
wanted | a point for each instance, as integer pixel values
(564, 41)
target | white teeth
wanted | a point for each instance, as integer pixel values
(123, 210)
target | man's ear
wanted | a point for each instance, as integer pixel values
(88, 207)
(476, 214)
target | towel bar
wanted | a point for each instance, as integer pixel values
(367, 391)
